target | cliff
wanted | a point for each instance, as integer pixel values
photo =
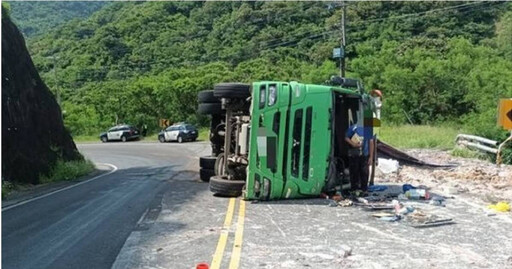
(33, 133)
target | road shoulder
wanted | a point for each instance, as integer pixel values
(36, 191)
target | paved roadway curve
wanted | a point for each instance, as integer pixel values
(87, 225)
(154, 213)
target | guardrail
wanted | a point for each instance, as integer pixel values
(477, 142)
(482, 144)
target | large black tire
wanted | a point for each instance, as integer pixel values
(209, 108)
(206, 174)
(225, 187)
(232, 90)
(207, 162)
(207, 97)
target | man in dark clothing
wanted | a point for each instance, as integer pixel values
(360, 156)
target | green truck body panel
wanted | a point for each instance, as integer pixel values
(291, 139)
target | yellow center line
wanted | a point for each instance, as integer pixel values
(221, 245)
(237, 246)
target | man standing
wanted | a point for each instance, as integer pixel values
(360, 156)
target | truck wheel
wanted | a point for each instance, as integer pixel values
(209, 108)
(232, 90)
(207, 162)
(224, 187)
(207, 97)
(206, 174)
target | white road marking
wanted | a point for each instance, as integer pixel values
(142, 217)
(114, 168)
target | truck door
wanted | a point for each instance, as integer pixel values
(309, 140)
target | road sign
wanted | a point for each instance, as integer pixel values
(505, 114)
(164, 123)
(338, 53)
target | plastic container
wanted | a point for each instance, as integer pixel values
(416, 194)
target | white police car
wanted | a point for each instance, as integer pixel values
(179, 132)
(120, 133)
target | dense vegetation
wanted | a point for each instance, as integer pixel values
(139, 61)
(35, 18)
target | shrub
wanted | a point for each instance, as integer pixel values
(67, 170)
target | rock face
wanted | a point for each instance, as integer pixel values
(33, 134)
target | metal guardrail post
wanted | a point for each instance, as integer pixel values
(500, 147)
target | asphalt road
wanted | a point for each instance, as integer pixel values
(153, 212)
(86, 226)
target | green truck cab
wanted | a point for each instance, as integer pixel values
(289, 142)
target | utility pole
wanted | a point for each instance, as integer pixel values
(343, 38)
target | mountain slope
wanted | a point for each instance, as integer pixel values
(140, 61)
(35, 18)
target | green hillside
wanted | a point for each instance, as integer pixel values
(140, 61)
(34, 18)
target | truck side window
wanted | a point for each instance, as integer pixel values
(307, 144)
(263, 95)
(272, 94)
(297, 139)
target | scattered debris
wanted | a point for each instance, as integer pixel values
(417, 194)
(376, 188)
(435, 223)
(382, 214)
(346, 251)
(392, 219)
(437, 201)
(387, 166)
(346, 203)
(378, 207)
(500, 207)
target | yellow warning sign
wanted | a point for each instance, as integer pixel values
(164, 123)
(505, 114)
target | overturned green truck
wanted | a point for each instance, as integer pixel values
(279, 140)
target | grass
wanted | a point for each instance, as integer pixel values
(86, 138)
(419, 136)
(69, 170)
(204, 134)
(7, 188)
